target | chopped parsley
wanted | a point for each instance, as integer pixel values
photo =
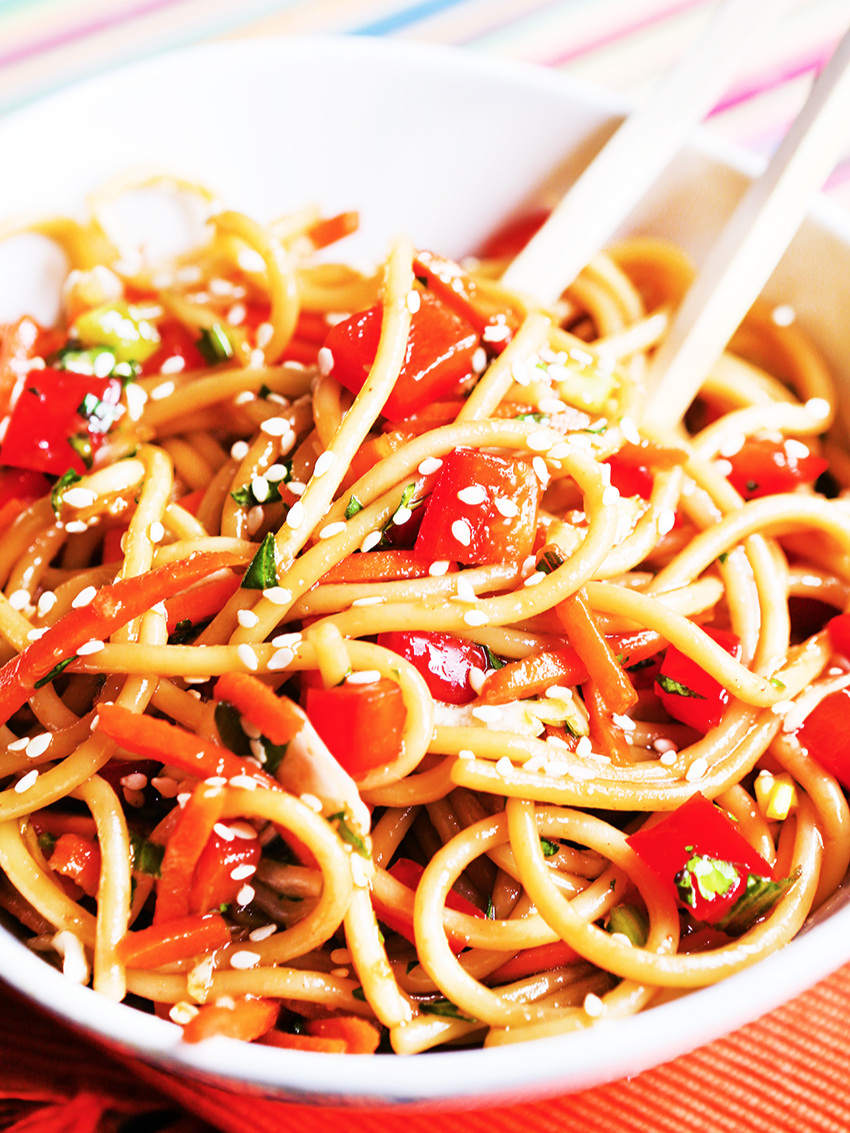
(352, 507)
(82, 446)
(101, 415)
(630, 922)
(548, 847)
(446, 1009)
(550, 560)
(493, 662)
(214, 345)
(58, 490)
(262, 570)
(230, 730)
(758, 898)
(54, 672)
(341, 821)
(677, 688)
(146, 855)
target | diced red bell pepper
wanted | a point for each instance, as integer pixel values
(825, 736)
(409, 873)
(838, 629)
(19, 487)
(763, 467)
(511, 237)
(480, 532)
(699, 828)
(444, 662)
(177, 341)
(19, 342)
(630, 479)
(688, 692)
(51, 429)
(439, 354)
(213, 884)
(77, 857)
(361, 724)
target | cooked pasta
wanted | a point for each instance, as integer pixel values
(372, 677)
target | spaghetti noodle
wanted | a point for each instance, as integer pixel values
(371, 679)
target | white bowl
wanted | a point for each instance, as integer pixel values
(443, 145)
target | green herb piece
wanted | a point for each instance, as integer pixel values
(82, 446)
(121, 327)
(95, 362)
(445, 1009)
(676, 687)
(360, 994)
(54, 672)
(347, 834)
(264, 391)
(630, 922)
(224, 907)
(58, 491)
(708, 877)
(46, 842)
(493, 662)
(550, 560)
(273, 753)
(407, 496)
(245, 497)
(540, 418)
(490, 911)
(146, 856)
(549, 847)
(262, 570)
(777, 683)
(101, 415)
(352, 507)
(214, 345)
(597, 429)
(183, 632)
(759, 897)
(230, 730)
(722, 557)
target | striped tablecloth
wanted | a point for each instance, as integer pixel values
(787, 1072)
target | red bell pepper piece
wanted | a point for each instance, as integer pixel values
(630, 479)
(444, 662)
(512, 236)
(480, 532)
(183, 849)
(764, 467)
(59, 421)
(245, 1018)
(698, 832)
(77, 857)
(825, 736)
(20, 342)
(176, 341)
(439, 353)
(111, 607)
(177, 939)
(361, 724)
(838, 629)
(409, 873)
(688, 692)
(213, 884)
(18, 489)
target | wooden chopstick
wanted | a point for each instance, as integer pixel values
(751, 245)
(642, 147)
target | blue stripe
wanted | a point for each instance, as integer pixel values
(395, 21)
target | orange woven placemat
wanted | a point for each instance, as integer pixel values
(789, 1072)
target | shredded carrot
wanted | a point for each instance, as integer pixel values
(379, 566)
(613, 685)
(78, 858)
(176, 939)
(325, 232)
(202, 601)
(54, 822)
(609, 739)
(540, 958)
(276, 716)
(247, 1019)
(359, 1035)
(532, 675)
(182, 850)
(286, 1041)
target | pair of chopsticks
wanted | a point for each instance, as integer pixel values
(754, 239)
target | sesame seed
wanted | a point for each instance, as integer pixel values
(624, 722)
(245, 895)
(76, 527)
(666, 521)
(465, 592)
(610, 496)
(280, 659)
(697, 770)
(247, 656)
(559, 692)
(540, 470)
(413, 301)
(35, 634)
(364, 677)
(250, 260)
(278, 595)
(325, 361)
(236, 314)
(276, 473)
(245, 782)
(38, 745)
(241, 872)
(489, 713)
(551, 405)
(136, 401)
(156, 532)
(474, 494)
(479, 361)
(133, 798)
(311, 801)
(245, 397)
(260, 489)
(255, 518)
(476, 678)
(629, 430)
(506, 507)
(818, 407)
(183, 1013)
(504, 766)
(239, 450)
(224, 832)
(429, 465)
(331, 530)
(244, 959)
(581, 356)
(584, 748)
(465, 753)
(247, 618)
(46, 603)
(476, 618)
(84, 597)
(296, 516)
(250, 729)
(135, 781)
(534, 579)
(371, 540)
(520, 372)
(360, 874)
(26, 781)
(19, 599)
(438, 568)
(90, 647)
(324, 464)
(561, 449)
(795, 448)
(401, 515)
(78, 497)
(262, 933)
(172, 365)
(539, 441)
(783, 315)
(163, 390)
(275, 427)
(287, 640)
(593, 1005)
(731, 445)
(264, 335)
(376, 600)
(462, 532)
(18, 745)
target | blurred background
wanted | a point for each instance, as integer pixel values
(621, 45)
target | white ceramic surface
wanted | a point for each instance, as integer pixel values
(442, 145)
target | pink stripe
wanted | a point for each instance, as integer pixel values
(839, 176)
(72, 34)
(772, 79)
(622, 32)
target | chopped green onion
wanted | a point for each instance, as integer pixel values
(58, 491)
(262, 570)
(214, 345)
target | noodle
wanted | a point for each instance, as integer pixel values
(290, 725)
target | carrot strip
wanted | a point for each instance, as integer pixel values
(286, 1041)
(247, 1019)
(359, 1035)
(609, 739)
(169, 743)
(325, 232)
(54, 822)
(177, 939)
(202, 601)
(540, 958)
(182, 850)
(532, 675)
(615, 688)
(297, 350)
(111, 607)
(379, 566)
(78, 858)
(276, 716)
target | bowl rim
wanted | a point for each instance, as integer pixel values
(604, 1052)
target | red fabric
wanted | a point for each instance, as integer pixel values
(787, 1072)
